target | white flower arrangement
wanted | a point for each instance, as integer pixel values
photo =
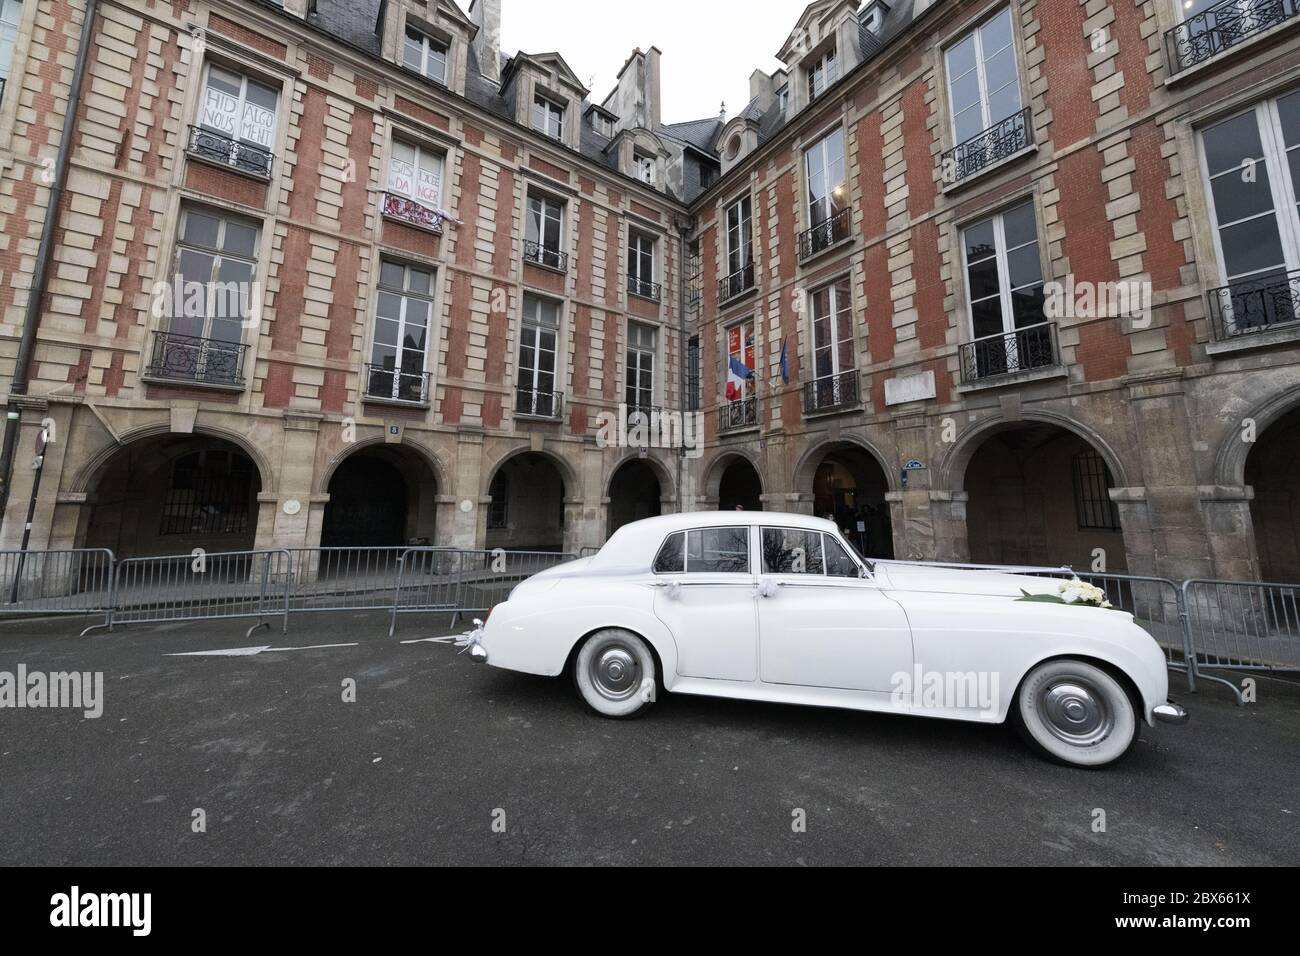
(1076, 592)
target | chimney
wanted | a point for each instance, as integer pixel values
(486, 15)
(761, 88)
(654, 117)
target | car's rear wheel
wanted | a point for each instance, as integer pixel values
(615, 673)
(1075, 713)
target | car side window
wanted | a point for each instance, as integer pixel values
(717, 551)
(672, 556)
(792, 551)
(838, 562)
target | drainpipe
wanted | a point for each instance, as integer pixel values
(683, 341)
(40, 272)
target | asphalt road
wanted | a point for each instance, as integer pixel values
(435, 751)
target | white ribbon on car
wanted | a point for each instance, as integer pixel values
(471, 638)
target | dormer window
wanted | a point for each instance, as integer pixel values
(822, 74)
(548, 117)
(645, 168)
(425, 56)
(602, 125)
(783, 98)
(873, 19)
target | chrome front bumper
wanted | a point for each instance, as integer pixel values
(478, 654)
(1170, 713)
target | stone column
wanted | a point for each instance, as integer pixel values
(466, 524)
(288, 517)
(948, 518)
(1231, 530)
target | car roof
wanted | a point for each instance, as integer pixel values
(636, 544)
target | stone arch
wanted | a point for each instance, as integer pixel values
(816, 452)
(426, 454)
(572, 483)
(667, 480)
(1230, 460)
(86, 476)
(715, 469)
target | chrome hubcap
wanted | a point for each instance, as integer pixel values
(615, 672)
(1075, 711)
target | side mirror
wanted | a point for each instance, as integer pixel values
(863, 573)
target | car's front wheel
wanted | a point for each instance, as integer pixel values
(1075, 713)
(615, 673)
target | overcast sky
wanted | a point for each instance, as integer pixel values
(709, 46)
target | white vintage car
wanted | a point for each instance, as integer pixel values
(779, 607)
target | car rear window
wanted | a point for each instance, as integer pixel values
(717, 551)
(672, 556)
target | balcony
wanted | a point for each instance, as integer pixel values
(740, 281)
(737, 415)
(824, 235)
(1254, 306)
(644, 289)
(1030, 349)
(1222, 27)
(984, 150)
(541, 255)
(831, 393)
(221, 150)
(405, 210)
(530, 403)
(190, 360)
(639, 413)
(390, 385)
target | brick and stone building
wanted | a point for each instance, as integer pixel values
(993, 280)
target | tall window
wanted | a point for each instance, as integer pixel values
(1093, 506)
(823, 72)
(826, 185)
(741, 361)
(11, 12)
(239, 108)
(425, 56)
(548, 117)
(832, 318)
(213, 297)
(693, 374)
(403, 308)
(641, 265)
(416, 174)
(535, 382)
(983, 84)
(1252, 160)
(544, 232)
(740, 236)
(642, 347)
(1004, 284)
(645, 168)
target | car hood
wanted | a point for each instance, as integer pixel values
(910, 577)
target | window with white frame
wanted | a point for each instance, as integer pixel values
(214, 295)
(548, 117)
(823, 72)
(544, 232)
(535, 379)
(783, 98)
(983, 81)
(1004, 287)
(1252, 161)
(642, 348)
(398, 355)
(238, 108)
(827, 193)
(832, 323)
(645, 168)
(415, 173)
(740, 238)
(425, 55)
(641, 265)
(741, 361)
(11, 14)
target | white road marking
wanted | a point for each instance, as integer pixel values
(254, 651)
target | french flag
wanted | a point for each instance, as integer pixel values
(737, 374)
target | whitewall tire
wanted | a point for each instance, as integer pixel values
(1075, 713)
(615, 674)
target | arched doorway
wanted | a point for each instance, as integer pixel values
(634, 495)
(170, 494)
(1273, 470)
(380, 497)
(849, 488)
(526, 512)
(740, 487)
(1039, 494)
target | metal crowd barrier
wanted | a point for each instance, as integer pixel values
(199, 587)
(73, 581)
(427, 582)
(1242, 625)
(344, 579)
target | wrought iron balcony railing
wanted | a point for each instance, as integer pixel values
(742, 280)
(738, 414)
(1008, 353)
(214, 147)
(193, 360)
(535, 404)
(642, 413)
(998, 142)
(646, 290)
(386, 384)
(831, 392)
(1255, 305)
(545, 256)
(407, 210)
(825, 234)
(1223, 26)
